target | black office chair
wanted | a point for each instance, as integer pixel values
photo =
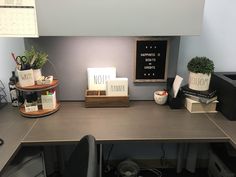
(83, 160)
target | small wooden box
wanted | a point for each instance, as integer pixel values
(98, 98)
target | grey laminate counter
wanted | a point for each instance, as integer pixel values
(226, 126)
(13, 129)
(142, 121)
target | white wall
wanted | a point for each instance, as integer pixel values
(7, 64)
(72, 56)
(119, 17)
(217, 40)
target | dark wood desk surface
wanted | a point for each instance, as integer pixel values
(142, 121)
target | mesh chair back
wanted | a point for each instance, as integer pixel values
(83, 160)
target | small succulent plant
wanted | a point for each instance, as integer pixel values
(201, 65)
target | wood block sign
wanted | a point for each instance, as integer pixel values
(117, 87)
(49, 101)
(151, 60)
(26, 77)
(97, 77)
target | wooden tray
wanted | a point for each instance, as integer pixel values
(96, 99)
(33, 88)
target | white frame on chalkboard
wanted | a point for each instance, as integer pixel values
(166, 64)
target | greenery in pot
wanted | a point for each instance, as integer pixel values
(37, 59)
(201, 65)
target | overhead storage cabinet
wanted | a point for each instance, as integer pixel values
(119, 17)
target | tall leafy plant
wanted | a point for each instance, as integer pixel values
(37, 58)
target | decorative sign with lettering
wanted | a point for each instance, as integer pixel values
(151, 60)
(49, 101)
(97, 77)
(117, 87)
(26, 77)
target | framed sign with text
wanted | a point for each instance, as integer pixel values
(151, 60)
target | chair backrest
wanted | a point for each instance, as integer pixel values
(83, 160)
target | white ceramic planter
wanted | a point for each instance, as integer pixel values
(37, 74)
(199, 81)
(159, 97)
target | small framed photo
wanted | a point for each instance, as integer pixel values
(151, 62)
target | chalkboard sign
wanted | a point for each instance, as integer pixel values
(151, 60)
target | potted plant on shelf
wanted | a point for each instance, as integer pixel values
(37, 61)
(200, 69)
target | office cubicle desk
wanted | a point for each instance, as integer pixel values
(142, 121)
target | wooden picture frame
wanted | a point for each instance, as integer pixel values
(151, 61)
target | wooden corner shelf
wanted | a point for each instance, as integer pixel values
(38, 88)
(96, 98)
(40, 113)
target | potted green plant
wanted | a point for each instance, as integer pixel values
(37, 61)
(200, 69)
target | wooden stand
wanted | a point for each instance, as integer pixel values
(40, 113)
(96, 98)
(38, 88)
